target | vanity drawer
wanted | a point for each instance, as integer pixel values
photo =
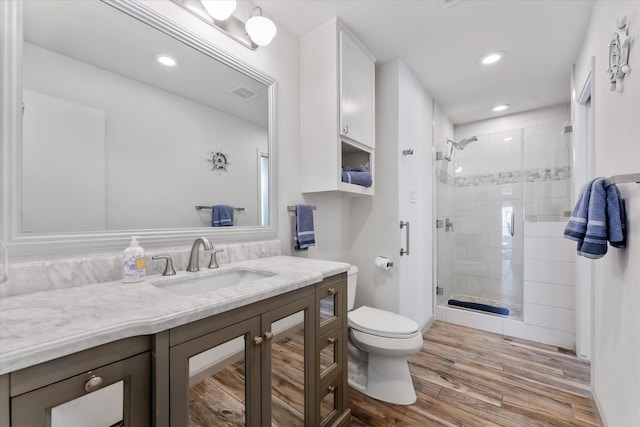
(331, 402)
(115, 394)
(331, 304)
(330, 348)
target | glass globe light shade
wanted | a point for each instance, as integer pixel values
(219, 9)
(261, 30)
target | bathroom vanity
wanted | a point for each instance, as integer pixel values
(265, 351)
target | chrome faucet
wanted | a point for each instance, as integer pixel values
(194, 262)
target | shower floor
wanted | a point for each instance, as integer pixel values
(515, 310)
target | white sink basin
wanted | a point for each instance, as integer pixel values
(185, 284)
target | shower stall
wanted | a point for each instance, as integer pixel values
(488, 185)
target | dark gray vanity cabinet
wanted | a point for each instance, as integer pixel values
(260, 365)
(110, 383)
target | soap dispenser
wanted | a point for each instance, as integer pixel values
(133, 262)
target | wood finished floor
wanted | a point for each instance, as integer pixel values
(466, 377)
(463, 377)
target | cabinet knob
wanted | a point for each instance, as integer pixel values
(331, 291)
(257, 340)
(331, 340)
(332, 388)
(268, 335)
(94, 383)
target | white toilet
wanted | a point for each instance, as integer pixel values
(379, 344)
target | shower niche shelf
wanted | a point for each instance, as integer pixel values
(353, 156)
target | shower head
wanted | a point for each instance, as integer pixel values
(463, 142)
(459, 145)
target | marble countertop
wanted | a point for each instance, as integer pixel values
(43, 326)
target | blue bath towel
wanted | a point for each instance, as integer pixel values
(603, 220)
(222, 216)
(358, 178)
(304, 234)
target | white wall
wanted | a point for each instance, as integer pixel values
(616, 318)
(374, 228)
(415, 196)
(156, 147)
(404, 113)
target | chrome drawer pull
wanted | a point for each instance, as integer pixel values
(332, 388)
(94, 383)
(257, 340)
(331, 340)
(331, 291)
(268, 335)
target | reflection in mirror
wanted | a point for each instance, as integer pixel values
(287, 371)
(114, 140)
(217, 385)
(104, 407)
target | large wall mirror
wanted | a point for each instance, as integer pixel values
(113, 139)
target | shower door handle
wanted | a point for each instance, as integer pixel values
(402, 225)
(510, 225)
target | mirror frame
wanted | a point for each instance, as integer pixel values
(57, 245)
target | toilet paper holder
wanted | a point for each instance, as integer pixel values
(388, 264)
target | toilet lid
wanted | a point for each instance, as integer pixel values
(383, 323)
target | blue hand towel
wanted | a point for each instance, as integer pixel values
(304, 235)
(358, 178)
(604, 219)
(222, 216)
(577, 227)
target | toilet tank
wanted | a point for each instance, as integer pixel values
(352, 278)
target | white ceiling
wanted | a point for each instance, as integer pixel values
(442, 45)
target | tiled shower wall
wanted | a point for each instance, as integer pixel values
(547, 160)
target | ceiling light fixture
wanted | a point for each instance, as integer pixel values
(491, 58)
(258, 31)
(219, 10)
(508, 139)
(501, 107)
(166, 60)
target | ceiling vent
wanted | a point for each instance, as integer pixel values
(448, 3)
(244, 92)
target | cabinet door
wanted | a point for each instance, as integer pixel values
(288, 365)
(215, 379)
(357, 87)
(117, 394)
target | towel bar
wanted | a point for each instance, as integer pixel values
(209, 207)
(293, 208)
(623, 179)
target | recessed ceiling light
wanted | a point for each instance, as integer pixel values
(501, 107)
(166, 60)
(491, 58)
(508, 139)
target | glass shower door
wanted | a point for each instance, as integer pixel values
(480, 193)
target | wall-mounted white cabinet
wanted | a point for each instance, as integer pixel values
(338, 109)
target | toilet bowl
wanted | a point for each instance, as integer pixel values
(379, 344)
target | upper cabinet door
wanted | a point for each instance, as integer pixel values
(357, 88)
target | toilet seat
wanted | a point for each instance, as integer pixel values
(382, 323)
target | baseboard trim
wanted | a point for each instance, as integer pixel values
(425, 327)
(600, 414)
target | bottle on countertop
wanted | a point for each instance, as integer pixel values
(133, 262)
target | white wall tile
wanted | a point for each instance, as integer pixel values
(471, 268)
(550, 294)
(470, 319)
(519, 329)
(554, 206)
(544, 229)
(545, 248)
(558, 272)
(549, 317)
